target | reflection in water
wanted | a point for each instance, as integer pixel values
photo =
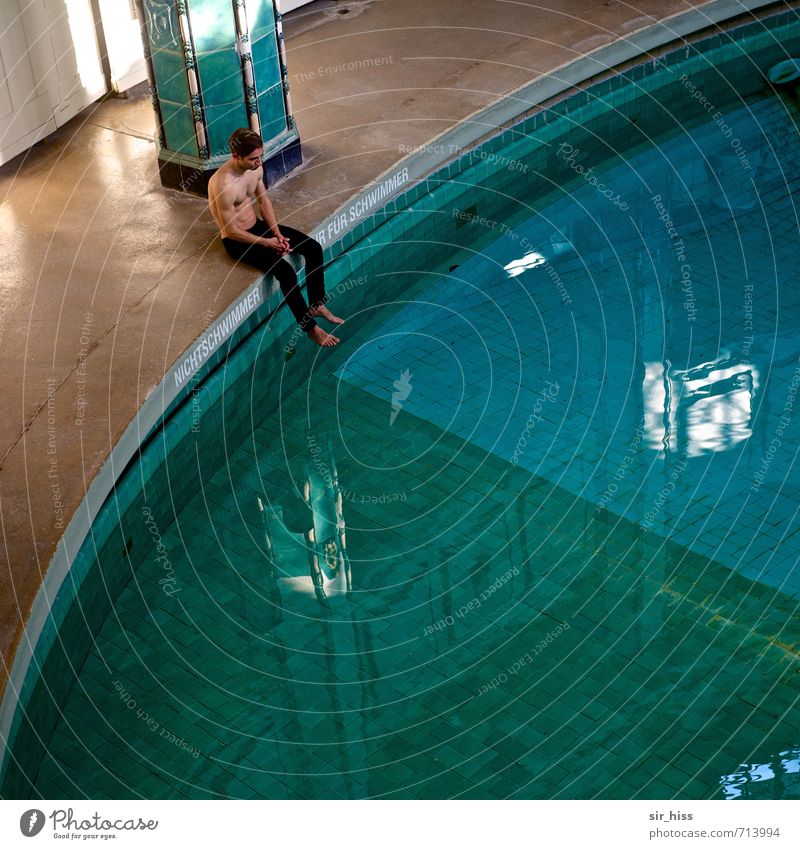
(744, 783)
(698, 410)
(532, 259)
(315, 555)
(558, 244)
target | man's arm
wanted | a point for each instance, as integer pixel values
(268, 214)
(265, 208)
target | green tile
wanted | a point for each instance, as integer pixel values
(179, 128)
(272, 112)
(170, 74)
(221, 121)
(266, 65)
(213, 25)
(220, 78)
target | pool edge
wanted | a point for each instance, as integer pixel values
(417, 165)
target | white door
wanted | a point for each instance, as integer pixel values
(50, 68)
(25, 113)
(123, 42)
(289, 5)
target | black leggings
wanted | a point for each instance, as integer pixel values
(270, 261)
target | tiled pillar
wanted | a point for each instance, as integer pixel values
(216, 65)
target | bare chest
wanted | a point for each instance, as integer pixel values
(242, 190)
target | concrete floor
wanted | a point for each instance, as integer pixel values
(108, 277)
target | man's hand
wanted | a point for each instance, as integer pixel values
(277, 243)
(282, 239)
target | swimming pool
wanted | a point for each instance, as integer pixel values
(553, 530)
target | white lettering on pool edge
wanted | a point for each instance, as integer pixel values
(215, 335)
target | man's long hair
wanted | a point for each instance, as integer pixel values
(243, 142)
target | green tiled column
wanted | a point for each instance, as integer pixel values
(216, 65)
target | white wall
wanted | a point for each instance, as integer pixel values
(50, 66)
(288, 5)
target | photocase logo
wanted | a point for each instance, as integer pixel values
(402, 389)
(31, 822)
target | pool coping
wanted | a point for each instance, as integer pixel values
(261, 299)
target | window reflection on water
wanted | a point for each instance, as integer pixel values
(308, 554)
(750, 781)
(699, 410)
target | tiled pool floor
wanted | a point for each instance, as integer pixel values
(672, 670)
(656, 373)
(510, 631)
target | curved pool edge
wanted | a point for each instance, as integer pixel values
(260, 302)
(480, 125)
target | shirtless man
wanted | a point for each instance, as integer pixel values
(232, 191)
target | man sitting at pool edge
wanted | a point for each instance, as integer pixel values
(232, 191)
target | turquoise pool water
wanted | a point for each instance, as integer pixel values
(555, 536)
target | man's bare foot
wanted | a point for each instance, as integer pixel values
(323, 339)
(323, 312)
